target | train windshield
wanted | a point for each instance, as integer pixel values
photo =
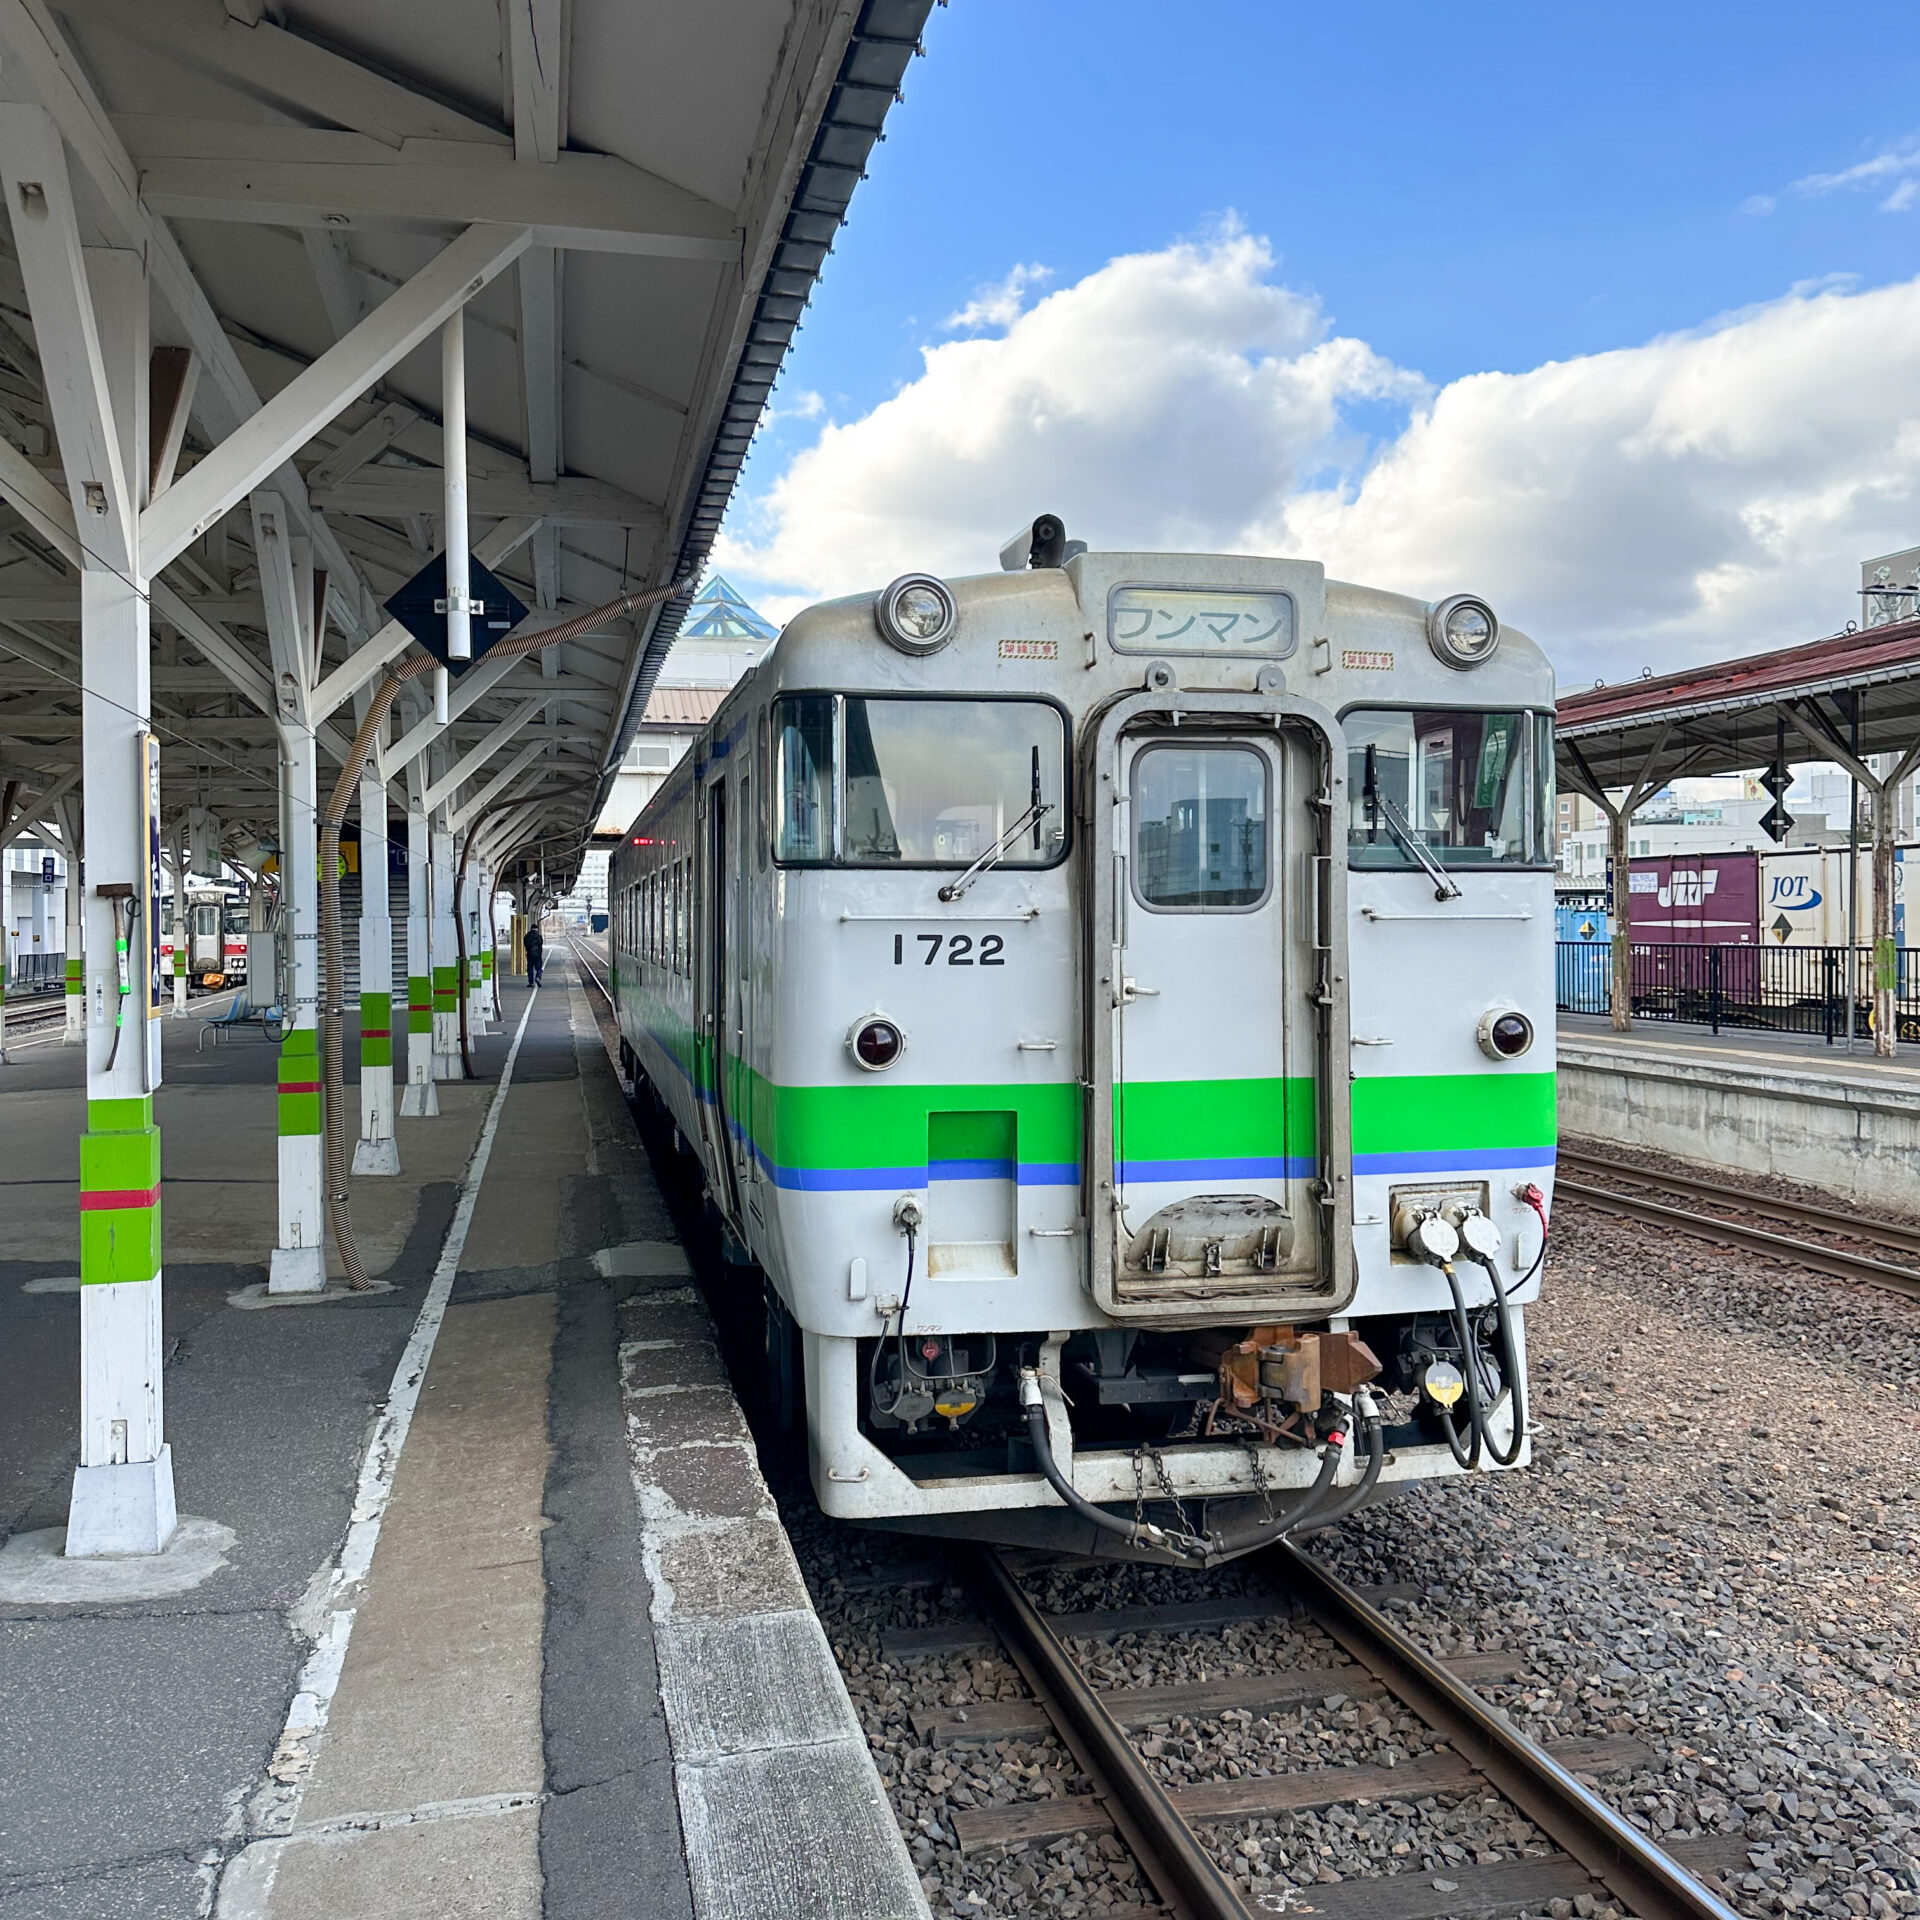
(868, 780)
(1472, 789)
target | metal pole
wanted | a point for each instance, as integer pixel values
(453, 461)
(1853, 872)
(1619, 894)
(1885, 960)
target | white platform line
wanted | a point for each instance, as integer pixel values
(334, 1596)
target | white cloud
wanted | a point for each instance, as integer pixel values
(805, 405)
(1001, 303)
(1896, 168)
(1170, 399)
(1701, 494)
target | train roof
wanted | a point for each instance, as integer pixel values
(1350, 643)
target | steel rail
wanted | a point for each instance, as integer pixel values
(1649, 1883)
(1806, 1253)
(1890, 1233)
(1167, 1848)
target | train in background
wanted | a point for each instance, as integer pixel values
(1109, 1004)
(216, 938)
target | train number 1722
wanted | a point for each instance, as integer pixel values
(960, 949)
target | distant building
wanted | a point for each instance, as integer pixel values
(721, 638)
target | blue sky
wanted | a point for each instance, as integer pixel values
(1462, 189)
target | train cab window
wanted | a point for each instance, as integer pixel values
(1199, 828)
(921, 783)
(1466, 786)
(803, 777)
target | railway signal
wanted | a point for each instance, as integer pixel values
(1777, 822)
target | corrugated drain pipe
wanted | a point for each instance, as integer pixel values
(332, 948)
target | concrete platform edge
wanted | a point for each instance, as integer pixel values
(781, 1805)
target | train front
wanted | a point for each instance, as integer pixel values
(1214, 1045)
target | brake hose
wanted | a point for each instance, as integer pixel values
(1189, 1549)
(1372, 1429)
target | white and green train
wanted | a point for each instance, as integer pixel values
(1111, 1000)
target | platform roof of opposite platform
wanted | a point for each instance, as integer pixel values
(1725, 717)
(679, 174)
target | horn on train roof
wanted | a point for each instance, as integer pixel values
(1043, 543)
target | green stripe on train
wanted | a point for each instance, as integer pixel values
(1213, 1119)
(884, 1124)
(1430, 1112)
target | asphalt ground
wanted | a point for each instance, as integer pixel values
(136, 1738)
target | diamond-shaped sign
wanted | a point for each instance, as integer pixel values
(1781, 928)
(420, 607)
(1776, 822)
(1777, 778)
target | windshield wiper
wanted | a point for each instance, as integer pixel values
(1444, 885)
(1031, 818)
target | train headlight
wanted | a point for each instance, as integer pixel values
(876, 1043)
(917, 614)
(1505, 1034)
(1462, 631)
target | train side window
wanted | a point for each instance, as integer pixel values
(1199, 828)
(763, 769)
(803, 776)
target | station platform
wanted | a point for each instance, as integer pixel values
(1788, 1105)
(479, 1605)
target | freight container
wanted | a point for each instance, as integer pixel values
(1803, 897)
(1694, 900)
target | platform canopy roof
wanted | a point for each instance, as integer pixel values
(1849, 695)
(646, 192)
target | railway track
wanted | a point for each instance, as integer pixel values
(23, 1020)
(1599, 1853)
(1609, 1185)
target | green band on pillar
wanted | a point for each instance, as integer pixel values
(300, 1082)
(76, 974)
(486, 964)
(446, 988)
(419, 1003)
(119, 1193)
(179, 960)
(376, 1029)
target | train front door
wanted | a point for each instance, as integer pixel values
(1213, 996)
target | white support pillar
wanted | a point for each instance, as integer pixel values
(90, 322)
(180, 923)
(378, 1152)
(419, 1101)
(479, 1000)
(76, 964)
(445, 946)
(489, 925)
(287, 589)
(299, 1254)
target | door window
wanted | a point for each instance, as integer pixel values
(1200, 828)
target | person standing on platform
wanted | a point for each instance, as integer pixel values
(536, 946)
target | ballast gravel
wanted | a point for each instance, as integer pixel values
(1717, 1553)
